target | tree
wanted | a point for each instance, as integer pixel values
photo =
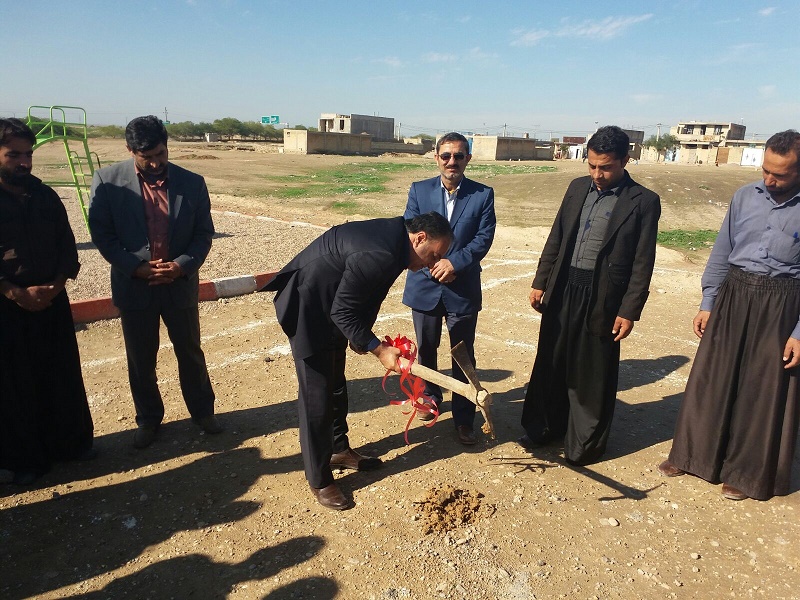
(665, 142)
(229, 127)
(662, 145)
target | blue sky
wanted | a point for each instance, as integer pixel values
(547, 68)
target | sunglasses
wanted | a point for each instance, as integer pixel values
(446, 156)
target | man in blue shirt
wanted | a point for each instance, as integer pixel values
(739, 417)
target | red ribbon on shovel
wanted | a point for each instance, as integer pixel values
(411, 385)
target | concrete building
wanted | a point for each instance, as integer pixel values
(301, 141)
(636, 138)
(493, 147)
(380, 128)
(699, 140)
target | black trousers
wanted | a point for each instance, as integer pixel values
(739, 417)
(140, 328)
(322, 405)
(44, 414)
(573, 385)
(461, 328)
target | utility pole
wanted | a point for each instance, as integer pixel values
(658, 135)
(504, 130)
(166, 117)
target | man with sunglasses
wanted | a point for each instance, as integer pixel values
(451, 289)
(590, 286)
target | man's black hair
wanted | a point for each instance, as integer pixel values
(610, 139)
(145, 133)
(785, 142)
(452, 137)
(15, 128)
(433, 224)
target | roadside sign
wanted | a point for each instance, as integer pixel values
(271, 120)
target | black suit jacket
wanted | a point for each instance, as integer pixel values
(624, 266)
(119, 230)
(334, 288)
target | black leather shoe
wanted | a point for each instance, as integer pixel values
(350, 459)
(25, 477)
(210, 424)
(331, 497)
(88, 454)
(528, 443)
(144, 436)
(465, 435)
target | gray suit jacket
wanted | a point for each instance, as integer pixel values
(119, 230)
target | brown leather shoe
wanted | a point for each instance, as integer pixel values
(667, 469)
(350, 459)
(331, 497)
(465, 435)
(431, 402)
(731, 493)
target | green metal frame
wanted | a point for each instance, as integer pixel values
(50, 124)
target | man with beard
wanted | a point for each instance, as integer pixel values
(329, 295)
(44, 415)
(739, 416)
(590, 286)
(151, 220)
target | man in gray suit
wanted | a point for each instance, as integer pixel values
(152, 221)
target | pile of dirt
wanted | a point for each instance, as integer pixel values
(446, 508)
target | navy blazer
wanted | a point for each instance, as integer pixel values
(624, 265)
(333, 289)
(119, 230)
(473, 223)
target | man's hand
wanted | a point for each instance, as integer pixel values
(699, 322)
(622, 328)
(443, 271)
(791, 353)
(45, 293)
(158, 272)
(535, 298)
(34, 298)
(388, 356)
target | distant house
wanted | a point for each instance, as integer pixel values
(493, 147)
(704, 142)
(380, 128)
(636, 138)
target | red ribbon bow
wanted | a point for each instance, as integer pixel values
(411, 385)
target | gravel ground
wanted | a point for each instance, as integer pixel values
(242, 246)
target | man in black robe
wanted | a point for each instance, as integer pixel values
(591, 285)
(44, 415)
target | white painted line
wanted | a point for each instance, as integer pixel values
(90, 364)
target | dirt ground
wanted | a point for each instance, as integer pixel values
(231, 516)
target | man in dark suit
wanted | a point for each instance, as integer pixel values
(451, 290)
(151, 220)
(591, 285)
(330, 294)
